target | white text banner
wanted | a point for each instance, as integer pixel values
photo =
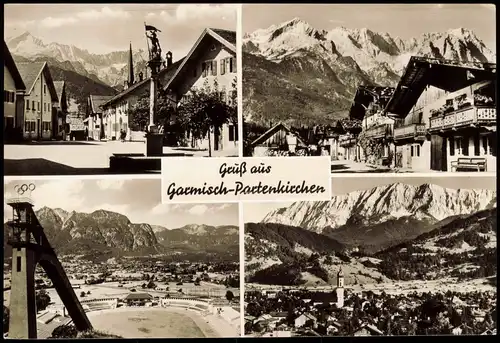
(229, 179)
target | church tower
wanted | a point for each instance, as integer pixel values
(340, 289)
(130, 67)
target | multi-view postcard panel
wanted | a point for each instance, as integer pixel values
(375, 97)
(111, 264)
(76, 105)
(406, 256)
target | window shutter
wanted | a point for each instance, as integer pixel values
(222, 67)
(214, 68)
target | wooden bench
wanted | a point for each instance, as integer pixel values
(469, 163)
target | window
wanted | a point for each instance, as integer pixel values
(44, 89)
(33, 126)
(411, 151)
(485, 145)
(18, 264)
(465, 146)
(27, 104)
(417, 150)
(39, 106)
(46, 126)
(232, 65)
(204, 68)
(452, 146)
(222, 67)
(27, 126)
(477, 146)
(233, 133)
(214, 68)
(44, 107)
(33, 105)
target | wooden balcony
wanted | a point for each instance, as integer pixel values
(379, 132)
(465, 117)
(412, 131)
(346, 141)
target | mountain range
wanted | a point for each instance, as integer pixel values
(111, 233)
(301, 75)
(110, 68)
(365, 230)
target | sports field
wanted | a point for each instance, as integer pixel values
(152, 323)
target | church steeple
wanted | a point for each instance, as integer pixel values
(130, 67)
(340, 278)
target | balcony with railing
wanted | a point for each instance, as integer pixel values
(346, 141)
(379, 131)
(411, 131)
(465, 117)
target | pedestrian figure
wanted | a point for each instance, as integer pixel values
(123, 134)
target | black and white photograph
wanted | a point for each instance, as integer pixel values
(386, 256)
(377, 87)
(91, 259)
(109, 89)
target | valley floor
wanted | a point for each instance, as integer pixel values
(79, 157)
(405, 287)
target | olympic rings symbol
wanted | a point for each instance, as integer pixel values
(21, 189)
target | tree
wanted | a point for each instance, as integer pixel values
(42, 300)
(229, 296)
(139, 112)
(6, 316)
(64, 331)
(204, 111)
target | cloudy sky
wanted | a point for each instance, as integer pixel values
(139, 200)
(102, 28)
(255, 212)
(403, 20)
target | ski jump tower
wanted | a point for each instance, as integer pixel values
(29, 248)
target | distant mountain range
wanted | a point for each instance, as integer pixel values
(84, 72)
(110, 68)
(301, 75)
(361, 227)
(110, 233)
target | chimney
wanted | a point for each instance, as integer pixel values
(169, 59)
(141, 76)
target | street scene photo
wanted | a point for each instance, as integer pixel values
(110, 89)
(386, 256)
(91, 259)
(411, 89)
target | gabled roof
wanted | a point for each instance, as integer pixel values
(138, 296)
(165, 73)
(31, 71)
(226, 38)
(280, 126)
(59, 86)
(96, 101)
(11, 66)
(366, 95)
(229, 36)
(448, 75)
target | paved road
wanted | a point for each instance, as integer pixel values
(78, 158)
